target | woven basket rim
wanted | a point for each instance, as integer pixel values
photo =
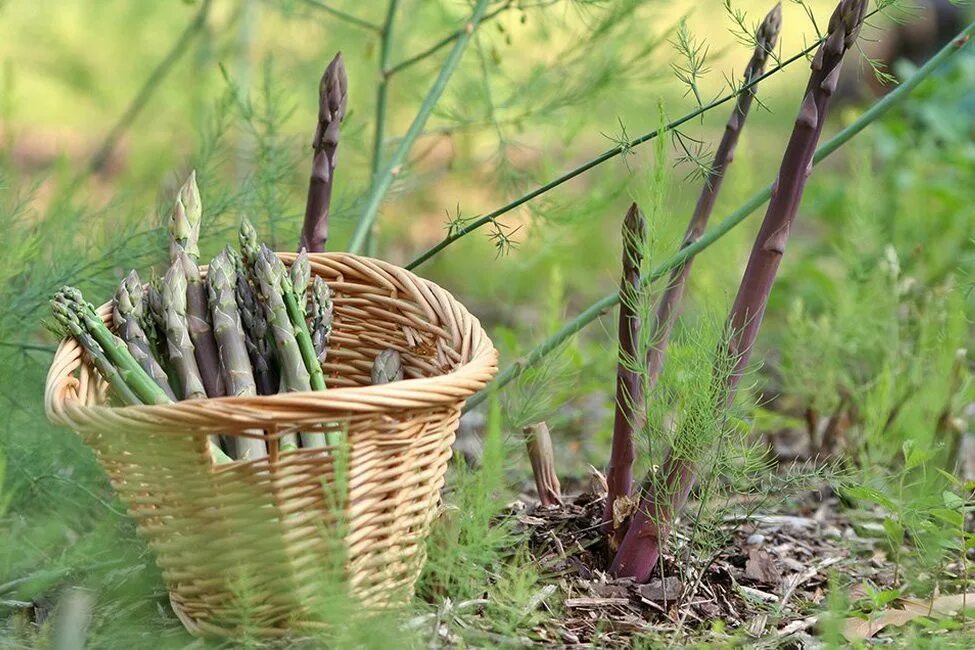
(463, 381)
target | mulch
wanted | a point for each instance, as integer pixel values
(765, 584)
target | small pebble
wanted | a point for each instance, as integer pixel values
(755, 539)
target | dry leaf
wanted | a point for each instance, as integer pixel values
(855, 629)
(760, 567)
(623, 507)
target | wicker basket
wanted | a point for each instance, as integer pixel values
(257, 543)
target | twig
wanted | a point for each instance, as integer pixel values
(343, 15)
(595, 310)
(141, 99)
(385, 179)
(442, 43)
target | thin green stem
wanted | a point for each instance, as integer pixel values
(385, 48)
(344, 15)
(442, 43)
(382, 91)
(392, 168)
(724, 227)
(624, 147)
(141, 100)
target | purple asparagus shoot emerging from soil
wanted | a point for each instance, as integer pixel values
(669, 304)
(648, 530)
(332, 100)
(629, 383)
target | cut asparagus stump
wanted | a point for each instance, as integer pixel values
(332, 101)
(231, 345)
(128, 314)
(640, 549)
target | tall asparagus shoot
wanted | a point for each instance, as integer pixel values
(184, 232)
(629, 382)
(640, 549)
(669, 303)
(332, 101)
(128, 314)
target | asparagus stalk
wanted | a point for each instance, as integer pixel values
(300, 274)
(128, 312)
(387, 367)
(270, 275)
(179, 345)
(321, 311)
(198, 323)
(184, 223)
(229, 333)
(117, 365)
(256, 334)
(296, 314)
(666, 314)
(332, 101)
(250, 247)
(640, 549)
(115, 350)
(71, 324)
(629, 383)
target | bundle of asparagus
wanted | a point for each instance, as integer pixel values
(249, 326)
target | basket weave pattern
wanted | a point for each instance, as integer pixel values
(258, 543)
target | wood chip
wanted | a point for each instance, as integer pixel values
(761, 568)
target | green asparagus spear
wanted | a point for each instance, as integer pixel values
(116, 363)
(255, 328)
(116, 351)
(296, 314)
(184, 223)
(387, 367)
(270, 274)
(250, 247)
(72, 327)
(227, 328)
(320, 312)
(127, 315)
(229, 332)
(179, 345)
(300, 274)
